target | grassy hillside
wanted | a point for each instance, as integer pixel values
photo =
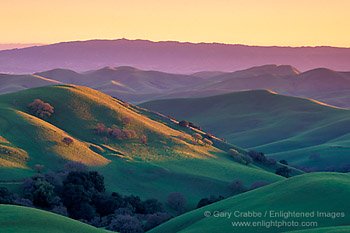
(287, 127)
(335, 98)
(167, 163)
(305, 193)
(12, 83)
(28, 220)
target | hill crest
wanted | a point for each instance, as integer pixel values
(168, 56)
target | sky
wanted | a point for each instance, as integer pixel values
(250, 22)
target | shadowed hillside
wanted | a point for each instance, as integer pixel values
(306, 193)
(285, 127)
(24, 219)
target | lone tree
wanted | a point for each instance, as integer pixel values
(68, 141)
(144, 139)
(197, 137)
(184, 123)
(283, 161)
(40, 109)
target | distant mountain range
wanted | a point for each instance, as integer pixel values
(167, 56)
(136, 86)
(17, 45)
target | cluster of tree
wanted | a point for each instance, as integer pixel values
(119, 134)
(259, 157)
(40, 109)
(239, 157)
(237, 186)
(80, 194)
(193, 125)
(209, 136)
(185, 123)
(343, 168)
(208, 201)
(283, 171)
(197, 137)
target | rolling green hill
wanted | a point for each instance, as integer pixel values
(318, 192)
(169, 162)
(281, 126)
(335, 98)
(28, 220)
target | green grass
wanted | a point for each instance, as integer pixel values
(336, 98)
(166, 164)
(323, 192)
(18, 219)
(268, 122)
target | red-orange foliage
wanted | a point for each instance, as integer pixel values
(121, 134)
(144, 139)
(100, 129)
(41, 109)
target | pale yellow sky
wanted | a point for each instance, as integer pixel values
(252, 22)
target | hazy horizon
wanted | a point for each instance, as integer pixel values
(268, 23)
(6, 46)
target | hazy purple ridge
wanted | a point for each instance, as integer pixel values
(172, 57)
